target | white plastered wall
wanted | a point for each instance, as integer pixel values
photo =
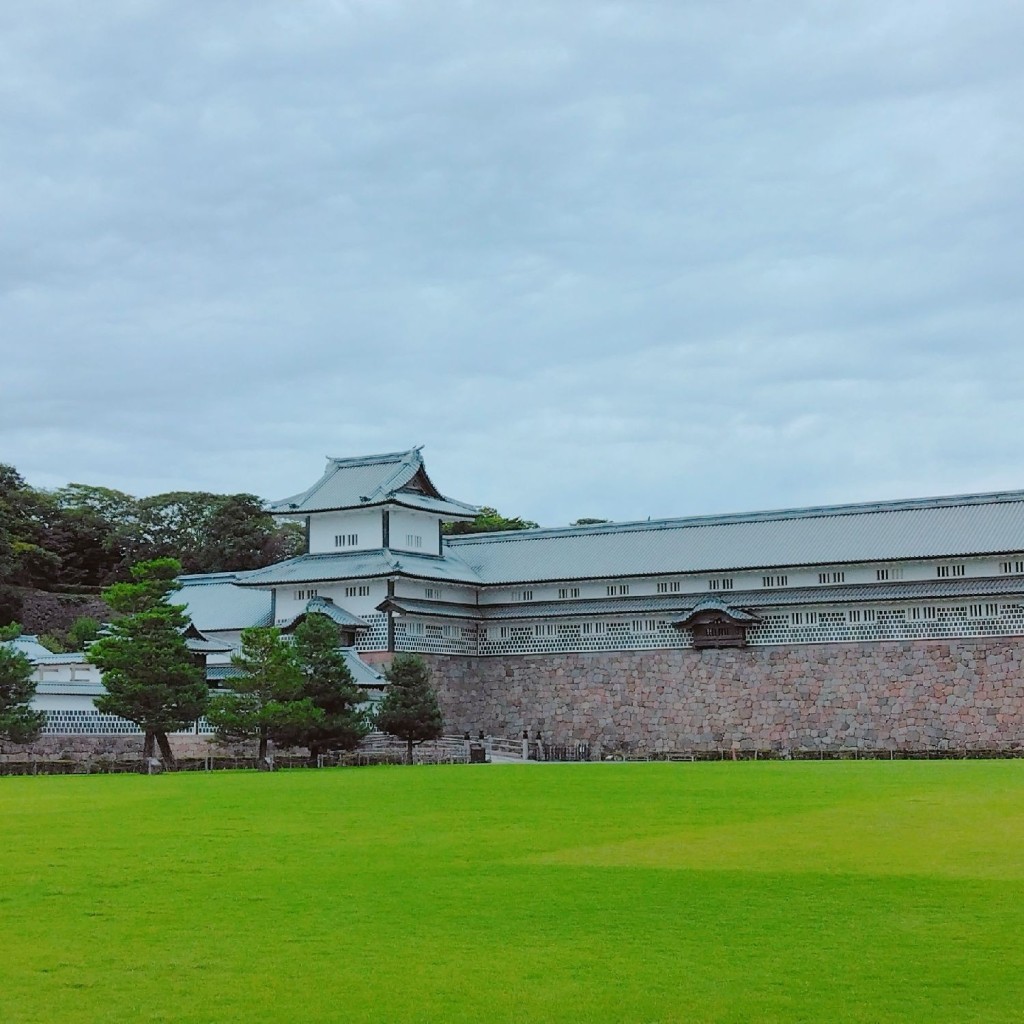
(324, 527)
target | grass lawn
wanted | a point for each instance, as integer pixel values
(831, 891)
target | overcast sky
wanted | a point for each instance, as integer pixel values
(601, 259)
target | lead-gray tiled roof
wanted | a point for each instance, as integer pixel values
(214, 601)
(435, 609)
(373, 480)
(29, 647)
(884, 531)
(360, 565)
(325, 606)
(363, 674)
(716, 604)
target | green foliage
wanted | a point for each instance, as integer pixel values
(489, 520)
(18, 722)
(10, 632)
(239, 534)
(409, 709)
(83, 631)
(148, 671)
(83, 537)
(151, 582)
(589, 522)
(266, 700)
(328, 684)
(54, 644)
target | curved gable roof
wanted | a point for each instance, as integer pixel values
(398, 477)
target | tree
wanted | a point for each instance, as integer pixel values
(329, 685)
(409, 709)
(18, 722)
(83, 631)
(266, 701)
(149, 674)
(589, 522)
(239, 534)
(489, 520)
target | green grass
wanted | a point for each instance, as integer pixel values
(849, 891)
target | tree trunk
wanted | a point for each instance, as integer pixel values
(314, 756)
(409, 745)
(148, 745)
(166, 754)
(261, 757)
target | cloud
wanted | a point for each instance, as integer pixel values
(602, 259)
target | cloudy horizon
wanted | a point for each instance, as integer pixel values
(600, 259)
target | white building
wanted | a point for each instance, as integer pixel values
(896, 570)
(380, 564)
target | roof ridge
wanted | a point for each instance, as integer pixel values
(370, 460)
(730, 518)
(410, 460)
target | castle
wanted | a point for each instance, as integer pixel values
(885, 624)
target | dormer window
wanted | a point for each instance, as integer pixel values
(833, 576)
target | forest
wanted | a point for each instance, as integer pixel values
(72, 541)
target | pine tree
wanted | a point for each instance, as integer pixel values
(328, 683)
(18, 722)
(266, 701)
(149, 674)
(409, 709)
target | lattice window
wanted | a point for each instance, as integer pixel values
(721, 583)
(617, 589)
(985, 610)
(568, 593)
(346, 540)
(774, 581)
(668, 587)
(832, 576)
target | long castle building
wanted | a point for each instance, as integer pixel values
(884, 625)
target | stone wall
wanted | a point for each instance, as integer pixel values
(916, 695)
(41, 612)
(114, 748)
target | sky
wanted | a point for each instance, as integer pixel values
(600, 259)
